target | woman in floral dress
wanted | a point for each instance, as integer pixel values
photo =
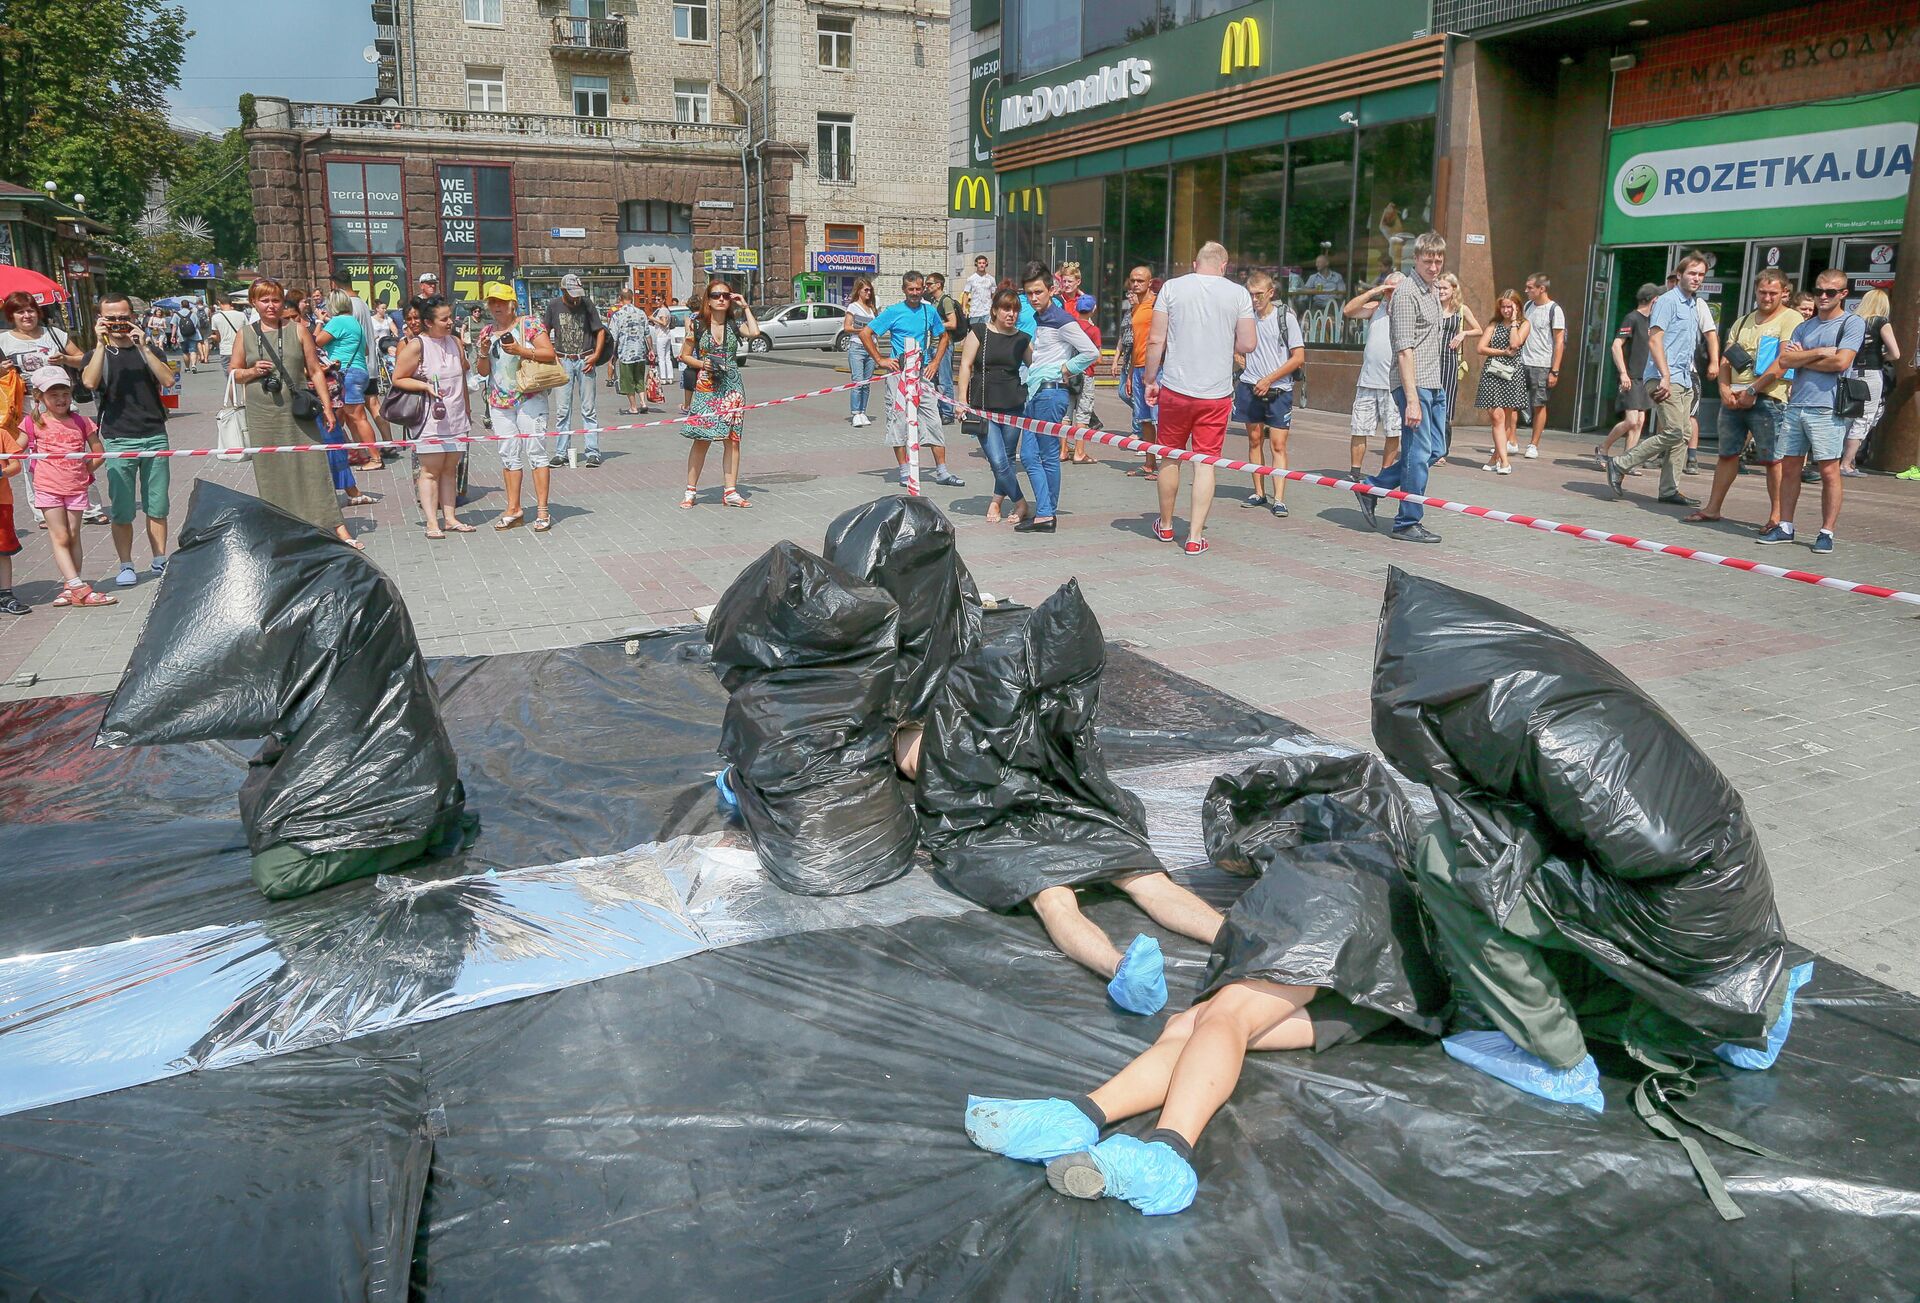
(712, 350)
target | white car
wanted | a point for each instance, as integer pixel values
(799, 325)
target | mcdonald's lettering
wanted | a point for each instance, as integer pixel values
(972, 193)
(1030, 200)
(1240, 45)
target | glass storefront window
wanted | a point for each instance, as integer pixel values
(1146, 223)
(1394, 198)
(1121, 22)
(1110, 287)
(1048, 32)
(366, 233)
(1319, 224)
(476, 228)
(1256, 207)
(1195, 209)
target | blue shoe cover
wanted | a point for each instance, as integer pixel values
(729, 803)
(1031, 1130)
(1754, 1060)
(1495, 1054)
(1141, 984)
(1148, 1175)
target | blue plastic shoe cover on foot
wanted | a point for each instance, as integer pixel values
(1495, 1054)
(1031, 1130)
(1754, 1060)
(1140, 985)
(729, 803)
(1150, 1176)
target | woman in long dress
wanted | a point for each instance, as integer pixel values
(711, 350)
(275, 358)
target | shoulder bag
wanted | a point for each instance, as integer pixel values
(301, 402)
(406, 408)
(538, 377)
(1850, 399)
(231, 425)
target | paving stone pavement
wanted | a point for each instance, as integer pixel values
(1805, 697)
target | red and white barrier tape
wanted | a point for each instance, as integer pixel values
(242, 454)
(1063, 430)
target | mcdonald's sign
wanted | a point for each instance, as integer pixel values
(1240, 45)
(970, 194)
(1033, 199)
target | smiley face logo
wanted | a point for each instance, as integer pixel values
(1639, 184)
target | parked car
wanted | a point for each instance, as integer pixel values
(802, 325)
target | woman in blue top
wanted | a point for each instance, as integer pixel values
(342, 342)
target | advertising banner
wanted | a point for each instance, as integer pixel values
(983, 81)
(376, 280)
(1817, 168)
(969, 192)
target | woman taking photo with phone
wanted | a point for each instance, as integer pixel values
(712, 351)
(862, 308)
(434, 365)
(286, 390)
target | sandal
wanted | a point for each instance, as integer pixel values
(432, 534)
(361, 500)
(686, 502)
(83, 595)
(734, 498)
(509, 520)
(993, 512)
(1081, 459)
(1151, 475)
(458, 528)
(542, 523)
(1699, 518)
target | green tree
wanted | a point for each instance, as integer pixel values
(83, 87)
(212, 186)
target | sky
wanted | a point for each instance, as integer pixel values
(299, 49)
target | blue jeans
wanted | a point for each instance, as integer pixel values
(1040, 453)
(860, 362)
(574, 403)
(946, 385)
(999, 443)
(1420, 447)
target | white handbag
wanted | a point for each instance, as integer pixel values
(231, 425)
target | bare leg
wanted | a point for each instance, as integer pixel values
(1725, 471)
(1235, 1020)
(122, 541)
(1357, 455)
(1172, 906)
(730, 463)
(1831, 492)
(1203, 476)
(1277, 437)
(1790, 487)
(1169, 486)
(1257, 454)
(1773, 493)
(63, 529)
(157, 535)
(696, 462)
(906, 752)
(430, 495)
(1144, 1084)
(450, 489)
(512, 485)
(542, 484)
(1068, 928)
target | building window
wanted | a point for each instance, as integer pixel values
(1395, 192)
(836, 42)
(655, 217)
(476, 228)
(587, 8)
(590, 97)
(690, 102)
(1319, 234)
(850, 239)
(835, 139)
(486, 90)
(484, 13)
(366, 228)
(753, 54)
(690, 20)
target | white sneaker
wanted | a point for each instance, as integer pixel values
(1503, 470)
(1491, 467)
(128, 576)
(1533, 451)
(861, 418)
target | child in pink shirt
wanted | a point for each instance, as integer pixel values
(60, 486)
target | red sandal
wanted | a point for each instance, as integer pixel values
(734, 498)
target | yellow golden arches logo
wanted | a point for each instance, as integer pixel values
(972, 193)
(1240, 45)
(1033, 199)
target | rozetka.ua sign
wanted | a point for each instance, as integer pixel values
(1842, 166)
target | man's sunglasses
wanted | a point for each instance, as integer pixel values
(1828, 294)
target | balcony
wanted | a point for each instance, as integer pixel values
(386, 38)
(386, 11)
(594, 40)
(403, 125)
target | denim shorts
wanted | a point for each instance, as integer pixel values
(1275, 411)
(1811, 432)
(1760, 423)
(1141, 410)
(353, 385)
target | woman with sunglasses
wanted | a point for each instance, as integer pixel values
(711, 351)
(434, 364)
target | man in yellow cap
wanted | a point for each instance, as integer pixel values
(510, 340)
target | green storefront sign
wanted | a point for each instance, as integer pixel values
(983, 101)
(1817, 168)
(1218, 53)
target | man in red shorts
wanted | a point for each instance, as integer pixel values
(1200, 321)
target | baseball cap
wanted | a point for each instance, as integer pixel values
(430, 276)
(571, 284)
(49, 377)
(499, 290)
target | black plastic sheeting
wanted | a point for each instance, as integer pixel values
(269, 628)
(810, 658)
(1559, 778)
(1330, 841)
(1013, 793)
(907, 547)
(300, 1179)
(781, 1120)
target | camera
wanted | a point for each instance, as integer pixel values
(270, 383)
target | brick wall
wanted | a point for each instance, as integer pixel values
(1816, 52)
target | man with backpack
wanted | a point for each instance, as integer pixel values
(956, 322)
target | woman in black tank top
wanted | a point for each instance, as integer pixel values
(1879, 349)
(989, 380)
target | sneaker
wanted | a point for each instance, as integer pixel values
(159, 566)
(592, 460)
(91, 516)
(1533, 451)
(1415, 534)
(558, 459)
(1778, 534)
(1146, 1174)
(1254, 500)
(1823, 544)
(1691, 468)
(904, 474)
(1140, 983)
(1491, 467)
(941, 475)
(1029, 1130)
(128, 576)
(1503, 469)
(861, 418)
(1278, 509)
(11, 605)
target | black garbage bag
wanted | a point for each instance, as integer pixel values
(1560, 780)
(1013, 792)
(808, 654)
(907, 546)
(268, 627)
(1332, 839)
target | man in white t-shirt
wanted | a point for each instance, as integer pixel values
(1199, 322)
(1373, 408)
(1263, 398)
(979, 290)
(1540, 355)
(227, 323)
